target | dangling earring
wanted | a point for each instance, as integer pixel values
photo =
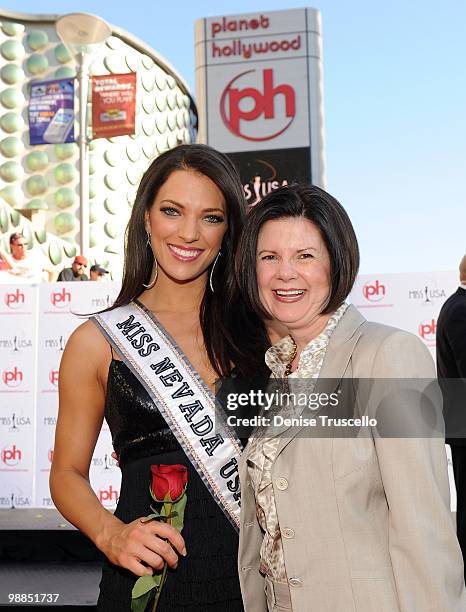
(212, 272)
(151, 282)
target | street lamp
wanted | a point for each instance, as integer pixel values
(82, 33)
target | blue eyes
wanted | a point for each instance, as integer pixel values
(174, 212)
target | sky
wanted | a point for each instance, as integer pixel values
(394, 103)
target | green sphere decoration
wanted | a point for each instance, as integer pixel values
(70, 249)
(92, 164)
(62, 55)
(11, 97)
(15, 217)
(11, 122)
(93, 212)
(65, 197)
(112, 204)
(13, 195)
(64, 72)
(37, 161)
(111, 229)
(37, 64)
(55, 252)
(92, 188)
(37, 39)
(95, 236)
(11, 146)
(11, 74)
(41, 235)
(37, 204)
(12, 50)
(65, 150)
(11, 171)
(64, 173)
(64, 222)
(4, 222)
(12, 29)
(112, 157)
(37, 185)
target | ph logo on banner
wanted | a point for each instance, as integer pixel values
(374, 291)
(108, 496)
(12, 378)
(11, 456)
(60, 299)
(15, 299)
(234, 102)
(427, 330)
(53, 377)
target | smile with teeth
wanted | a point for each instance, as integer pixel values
(289, 292)
(184, 254)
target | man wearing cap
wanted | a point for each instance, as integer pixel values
(77, 272)
(97, 272)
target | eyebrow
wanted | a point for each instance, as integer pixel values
(182, 206)
(310, 248)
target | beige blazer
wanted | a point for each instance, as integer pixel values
(366, 522)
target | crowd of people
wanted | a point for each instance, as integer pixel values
(22, 264)
(211, 297)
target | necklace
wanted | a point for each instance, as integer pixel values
(293, 355)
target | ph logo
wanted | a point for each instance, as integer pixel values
(60, 299)
(53, 377)
(428, 330)
(12, 378)
(108, 495)
(11, 456)
(15, 299)
(374, 292)
(50, 455)
(234, 100)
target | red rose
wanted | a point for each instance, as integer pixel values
(168, 480)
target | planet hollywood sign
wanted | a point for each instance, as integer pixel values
(259, 89)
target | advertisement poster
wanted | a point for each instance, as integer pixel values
(113, 105)
(51, 112)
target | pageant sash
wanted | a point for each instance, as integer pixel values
(184, 400)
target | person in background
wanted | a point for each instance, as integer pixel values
(77, 272)
(451, 364)
(97, 273)
(24, 263)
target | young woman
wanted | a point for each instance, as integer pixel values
(149, 366)
(339, 521)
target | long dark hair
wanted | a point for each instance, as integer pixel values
(233, 336)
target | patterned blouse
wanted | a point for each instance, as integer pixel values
(263, 450)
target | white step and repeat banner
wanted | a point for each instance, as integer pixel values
(36, 321)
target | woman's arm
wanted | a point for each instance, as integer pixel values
(82, 384)
(424, 550)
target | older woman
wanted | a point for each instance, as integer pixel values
(349, 524)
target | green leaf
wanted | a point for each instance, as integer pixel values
(140, 604)
(178, 515)
(150, 517)
(144, 584)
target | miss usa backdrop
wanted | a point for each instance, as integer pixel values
(36, 321)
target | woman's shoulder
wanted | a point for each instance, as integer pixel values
(88, 342)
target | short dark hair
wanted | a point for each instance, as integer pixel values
(15, 236)
(333, 223)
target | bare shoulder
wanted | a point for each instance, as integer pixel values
(88, 347)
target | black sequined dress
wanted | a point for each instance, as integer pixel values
(207, 579)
